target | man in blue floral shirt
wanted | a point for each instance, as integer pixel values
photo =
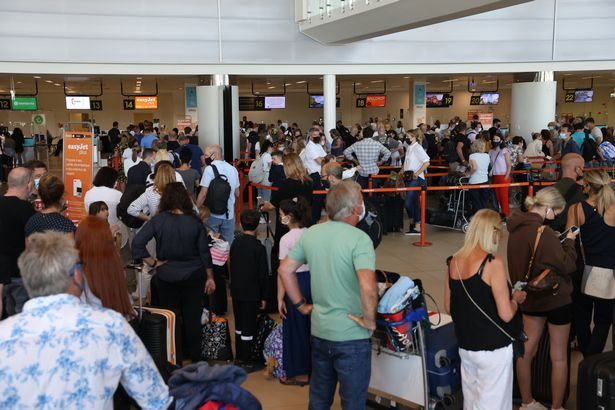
(61, 354)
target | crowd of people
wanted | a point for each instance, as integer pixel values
(164, 201)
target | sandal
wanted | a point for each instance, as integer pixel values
(294, 382)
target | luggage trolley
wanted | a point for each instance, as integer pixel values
(455, 214)
(401, 379)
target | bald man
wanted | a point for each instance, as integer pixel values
(572, 170)
(15, 211)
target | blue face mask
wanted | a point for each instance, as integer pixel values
(562, 136)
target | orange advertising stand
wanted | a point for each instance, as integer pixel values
(78, 170)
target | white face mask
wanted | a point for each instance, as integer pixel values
(37, 181)
(363, 212)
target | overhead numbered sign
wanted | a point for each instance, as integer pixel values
(96, 105)
(569, 97)
(475, 100)
(129, 104)
(360, 102)
(5, 103)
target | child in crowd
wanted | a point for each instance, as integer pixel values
(100, 210)
(276, 173)
(249, 270)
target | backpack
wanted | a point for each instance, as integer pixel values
(588, 149)
(257, 172)
(371, 224)
(176, 161)
(218, 194)
(131, 193)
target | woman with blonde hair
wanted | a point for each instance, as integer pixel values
(535, 252)
(478, 297)
(149, 200)
(596, 218)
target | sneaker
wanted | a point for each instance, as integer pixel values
(417, 227)
(412, 232)
(534, 405)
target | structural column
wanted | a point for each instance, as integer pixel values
(329, 90)
(218, 114)
(533, 105)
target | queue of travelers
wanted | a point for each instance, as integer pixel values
(172, 180)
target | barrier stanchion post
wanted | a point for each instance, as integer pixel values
(423, 204)
(370, 184)
(530, 189)
(250, 197)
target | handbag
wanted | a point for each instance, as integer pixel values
(216, 341)
(264, 325)
(547, 282)
(596, 282)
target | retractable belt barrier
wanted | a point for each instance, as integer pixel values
(422, 197)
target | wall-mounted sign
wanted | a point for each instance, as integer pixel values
(96, 105)
(24, 104)
(38, 119)
(360, 103)
(129, 104)
(146, 103)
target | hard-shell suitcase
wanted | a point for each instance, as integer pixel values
(442, 360)
(541, 373)
(596, 382)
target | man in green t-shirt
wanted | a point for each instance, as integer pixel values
(344, 291)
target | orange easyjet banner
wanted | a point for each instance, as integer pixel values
(78, 167)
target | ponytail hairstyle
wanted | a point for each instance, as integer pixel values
(549, 197)
(599, 183)
(298, 209)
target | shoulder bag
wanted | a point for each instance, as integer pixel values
(547, 282)
(597, 282)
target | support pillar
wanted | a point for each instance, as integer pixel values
(218, 114)
(533, 105)
(329, 118)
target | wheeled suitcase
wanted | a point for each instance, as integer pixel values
(596, 382)
(442, 360)
(541, 373)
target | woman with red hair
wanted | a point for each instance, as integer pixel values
(104, 270)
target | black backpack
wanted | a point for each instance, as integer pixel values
(588, 149)
(371, 224)
(131, 193)
(218, 194)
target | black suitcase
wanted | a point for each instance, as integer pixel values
(596, 382)
(541, 373)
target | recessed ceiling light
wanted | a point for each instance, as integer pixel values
(57, 85)
(49, 81)
(18, 82)
(567, 74)
(406, 77)
(320, 78)
(489, 82)
(590, 77)
(37, 76)
(301, 82)
(272, 87)
(180, 88)
(377, 81)
(139, 78)
(288, 84)
(268, 83)
(137, 91)
(451, 80)
(257, 92)
(358, 83)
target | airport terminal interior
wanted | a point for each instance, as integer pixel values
(222, 72)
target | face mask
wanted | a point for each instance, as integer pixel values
(132, 133)
(562, 136)
(326, 184)
(285, 220)
(316, 140)
(37, 181)
(551, 127)
(363, 212)
(496, 143)
(208, 161)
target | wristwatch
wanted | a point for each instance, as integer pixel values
(300, 303)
